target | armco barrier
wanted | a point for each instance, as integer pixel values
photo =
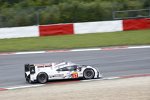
(56, 29)
(18, 32)
(94, 27)
(136, 24)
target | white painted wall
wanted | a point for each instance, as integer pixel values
(79, 28)
(101, 26)
(18, 32)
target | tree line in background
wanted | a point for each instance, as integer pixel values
(32, 12)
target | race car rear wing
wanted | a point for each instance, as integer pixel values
(29, 68)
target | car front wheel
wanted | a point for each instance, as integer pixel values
(88, 73)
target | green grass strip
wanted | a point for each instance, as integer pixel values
(141, 37)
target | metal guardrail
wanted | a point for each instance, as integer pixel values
(128, 14)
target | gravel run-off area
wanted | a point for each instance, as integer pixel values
(118, 89)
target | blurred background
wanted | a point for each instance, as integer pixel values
(15, 13)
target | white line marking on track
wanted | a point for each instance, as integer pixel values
(92, 49)
(25, 86)
(110, 78)
(138, 47)
(31, 52)
(78, 50)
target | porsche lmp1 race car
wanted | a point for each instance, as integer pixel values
(52, 71)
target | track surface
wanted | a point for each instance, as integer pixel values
(110, 63)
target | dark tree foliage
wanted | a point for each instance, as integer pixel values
(32, 12)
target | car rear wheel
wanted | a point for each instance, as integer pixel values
(88, 73)
(42, 78)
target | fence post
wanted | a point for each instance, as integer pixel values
(149, 11)
(113, 10)
(37, 18)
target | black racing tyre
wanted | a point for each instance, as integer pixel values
(25, 76)
(42, 78)
(88, 73)
(28, 79)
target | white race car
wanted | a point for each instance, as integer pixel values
(66, 70)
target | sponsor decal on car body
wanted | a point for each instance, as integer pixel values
(74, 75)
(56, 75)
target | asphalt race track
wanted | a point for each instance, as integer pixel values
(109, 62)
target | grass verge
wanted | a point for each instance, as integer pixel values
(141, 37)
